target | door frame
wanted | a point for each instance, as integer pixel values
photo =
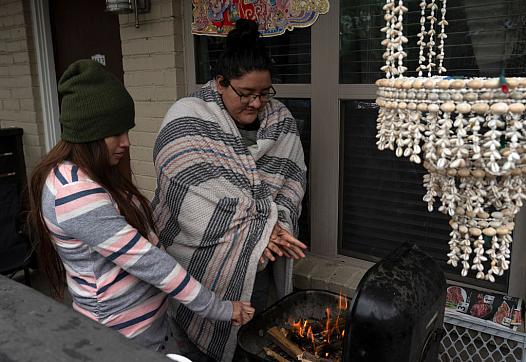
(46, 72)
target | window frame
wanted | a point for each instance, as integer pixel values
(325, 175)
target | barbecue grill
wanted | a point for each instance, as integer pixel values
(396, 313)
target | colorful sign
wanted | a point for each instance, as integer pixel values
(218, 17)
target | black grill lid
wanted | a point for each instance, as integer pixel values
(397, 311)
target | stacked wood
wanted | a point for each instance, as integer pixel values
(290, 348)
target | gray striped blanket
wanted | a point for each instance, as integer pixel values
(217, 201)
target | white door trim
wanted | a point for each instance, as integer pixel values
(46, 72)
(188, 43)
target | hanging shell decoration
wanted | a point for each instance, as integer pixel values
(469, 134)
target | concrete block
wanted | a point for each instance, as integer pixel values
(168, 93)
(174, 77)
(19, 69)
(152, 110)
(148, 29)
(31, 140)
(8, 82)
(33, 152)
(159, 10)
(143, 168)
(146, 183)
(5, 93)
(301, 273)
(21, 57)
(148, 45)
(155, 13)
(141, 153)
(11, 104)
(176, 7)
(27, 116)
(338, 275)
(23, 81)
(149, 62)
(125, 19)
(14, 8)
(345, 279)
(179, 59)
(25, 93)
(320, 275)
(29, 128)
(17, 34)
(148, 194)
(300, 281)
(143, 78)
(145, 139)
(16, 46)
(7, 115)
(141, 93)
(178, 43)
(5, 59)
(29, 105)
(13, 20)
(146, 124)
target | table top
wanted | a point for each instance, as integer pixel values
(34, 327)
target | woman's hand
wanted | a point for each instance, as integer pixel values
(242, 312)
(283, 243)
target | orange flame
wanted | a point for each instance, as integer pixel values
(298, 328)
(336, 326)
(305, 328)
(342, 303)
(310, 336)
(327, 330)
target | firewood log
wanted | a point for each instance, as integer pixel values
(274, 355)
(289, 347)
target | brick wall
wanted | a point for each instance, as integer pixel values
(19, 92)
(153, 74)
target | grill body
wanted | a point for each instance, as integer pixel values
(396, 314)
(306, 303)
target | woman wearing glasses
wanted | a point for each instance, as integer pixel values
(230, 180)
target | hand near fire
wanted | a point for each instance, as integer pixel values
(242, 312)
(282, 243)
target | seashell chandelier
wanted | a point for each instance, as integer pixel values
(468, 133)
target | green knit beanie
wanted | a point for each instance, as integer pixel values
(95, 104)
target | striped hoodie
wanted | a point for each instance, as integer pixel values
(116, 276)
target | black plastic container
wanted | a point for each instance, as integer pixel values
(397, 310)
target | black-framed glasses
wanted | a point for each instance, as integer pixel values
(246, 99)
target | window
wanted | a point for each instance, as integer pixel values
(382, 203)
(364, 202)
(484, 37)
(290, 54)
(300, 109)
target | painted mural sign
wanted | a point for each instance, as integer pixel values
(218, 17)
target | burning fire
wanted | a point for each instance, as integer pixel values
(321, 333)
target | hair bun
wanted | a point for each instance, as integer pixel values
(245, 34)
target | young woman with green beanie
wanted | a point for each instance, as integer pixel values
(95, 229)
